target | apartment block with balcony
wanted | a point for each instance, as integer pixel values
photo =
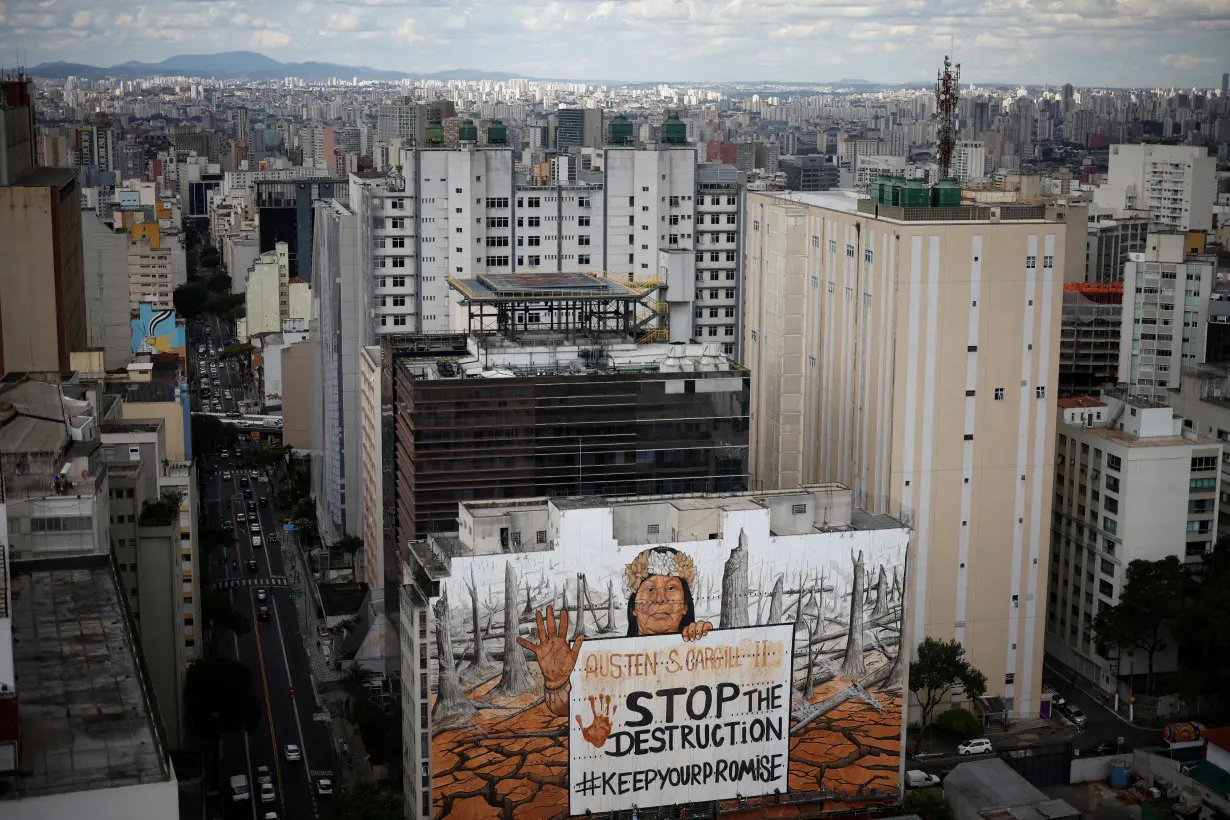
(1165, 314)
(52, 476)
(1174, 185)
(1132, 481)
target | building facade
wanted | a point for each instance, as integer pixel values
(1089, 337)
(1131, 482)
(1175, 185)
(899, 351)
(1163, 328)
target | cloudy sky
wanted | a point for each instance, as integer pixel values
(1093, 42)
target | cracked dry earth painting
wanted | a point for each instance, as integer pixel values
(757, 674)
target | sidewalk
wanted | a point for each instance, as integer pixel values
(318, 656)
(344, 732)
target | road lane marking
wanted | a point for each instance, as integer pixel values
(298, 725)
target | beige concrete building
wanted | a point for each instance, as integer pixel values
(371, 464)
(908, 354)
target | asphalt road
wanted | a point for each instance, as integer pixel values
(273, 650)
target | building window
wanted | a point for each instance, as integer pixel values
(999, 394)
(1106, 588)
(832, 246)
(1113, 463)
(867, 255)
(541, 537)
(1040, 392)
(1031, 262)
(1201, 463)
(1110, 525)
(583, 259)
(798, 509)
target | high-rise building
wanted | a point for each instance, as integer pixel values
(1089, 337)
(969, 160)
(1163, 327)
(150, 276)
(407, 120)
(813, 172)
(1111, 241)
(1130, 484)
(503, 428)
(267, 293)
(42, 312)
(910, 353)
(577, 127)
(1174, 185)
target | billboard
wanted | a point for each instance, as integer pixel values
(596, 677)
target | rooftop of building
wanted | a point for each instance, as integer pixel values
(994, 790)
(1079, 401)
(86, 721)
(43, 177)
(157, 389)
(540, 355)
(131, 426)
(495, 287)
(850, 202)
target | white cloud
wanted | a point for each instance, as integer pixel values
(268, 38)
(81, 19)
(407, 32)
(348, 21)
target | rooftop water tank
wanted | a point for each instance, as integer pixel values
(621, 131)
(497, 133)
(435, 133)
(468, 132)
(674, 132)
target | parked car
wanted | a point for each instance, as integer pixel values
(263, 775)
(1103, 748)
(977, 746)
(263, 613)
(324, 787)
(267, 793)
(917, 779)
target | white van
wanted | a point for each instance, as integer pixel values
(256, 542)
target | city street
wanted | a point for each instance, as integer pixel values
(274, 649)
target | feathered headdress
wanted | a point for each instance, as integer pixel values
(658, 561)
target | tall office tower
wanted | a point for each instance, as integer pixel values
(343, 329)
(96, 147)
(1150, 490)
(1225, 85)
(42, 311)
(969, 160)
(578, 127)
(910, 353)
(1174, 184)
(1163, 326)
(493, 419)
(1089, 337)
(1069, 97)
(1110, 243)
(242, 123)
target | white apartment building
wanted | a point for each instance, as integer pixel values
(267, 292)
(1174, 184)
(868, 168)
(909, 357)
(969, 160)
(1164, 325)
(1130, 483)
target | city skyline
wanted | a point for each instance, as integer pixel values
(769, 40)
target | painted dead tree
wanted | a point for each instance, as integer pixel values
(452, 705)
(853, 665)
(516, 679)
(775, 600)
(881, 607)
(480, 664)
(734, 586)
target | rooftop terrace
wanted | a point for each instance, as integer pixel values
(85, 720)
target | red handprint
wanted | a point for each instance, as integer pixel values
(600, 729)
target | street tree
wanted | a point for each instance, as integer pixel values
(219, 697)
(1150, 601)
(938, 667)
(1204, 641)
(211, 435)
(219, 283)
(365, 801)
(929, 804)
(191, 300)
(212, 538)
(222, 616)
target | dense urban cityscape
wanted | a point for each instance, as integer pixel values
(363, 455)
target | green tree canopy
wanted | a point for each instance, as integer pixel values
(219, 283)
(938, 667)
(236, 351)
(1150, 601)
(218, 697)
(191, 299)
(929, 804)
(1204, 651)
(367, 801)
(210, 435)
(221, 614)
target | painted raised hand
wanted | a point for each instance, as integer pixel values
(600, 728)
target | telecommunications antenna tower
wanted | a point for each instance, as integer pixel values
(946, 92)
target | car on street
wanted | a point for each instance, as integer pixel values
(226, 476)
(255, 526)
(227, 526)
(267, 794)
(918, 779)
(263, 775)
(271, 815)
(263, 613)
(224, 454)
(256, 542)
(262, 594)
(234, 414)
(324, 787)
(1077, 716)
(247, 494)
(252, 566)
(1103, 748)
(292, 752)
(243, 481)
(241, 517)
(977, 746)
(264, 502)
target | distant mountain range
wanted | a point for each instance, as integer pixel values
(247, 65)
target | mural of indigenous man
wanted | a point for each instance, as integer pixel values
(659, 586)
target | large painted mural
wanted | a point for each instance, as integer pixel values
(574, 680)
(157, 332)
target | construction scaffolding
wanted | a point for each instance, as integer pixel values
(1089, 337)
